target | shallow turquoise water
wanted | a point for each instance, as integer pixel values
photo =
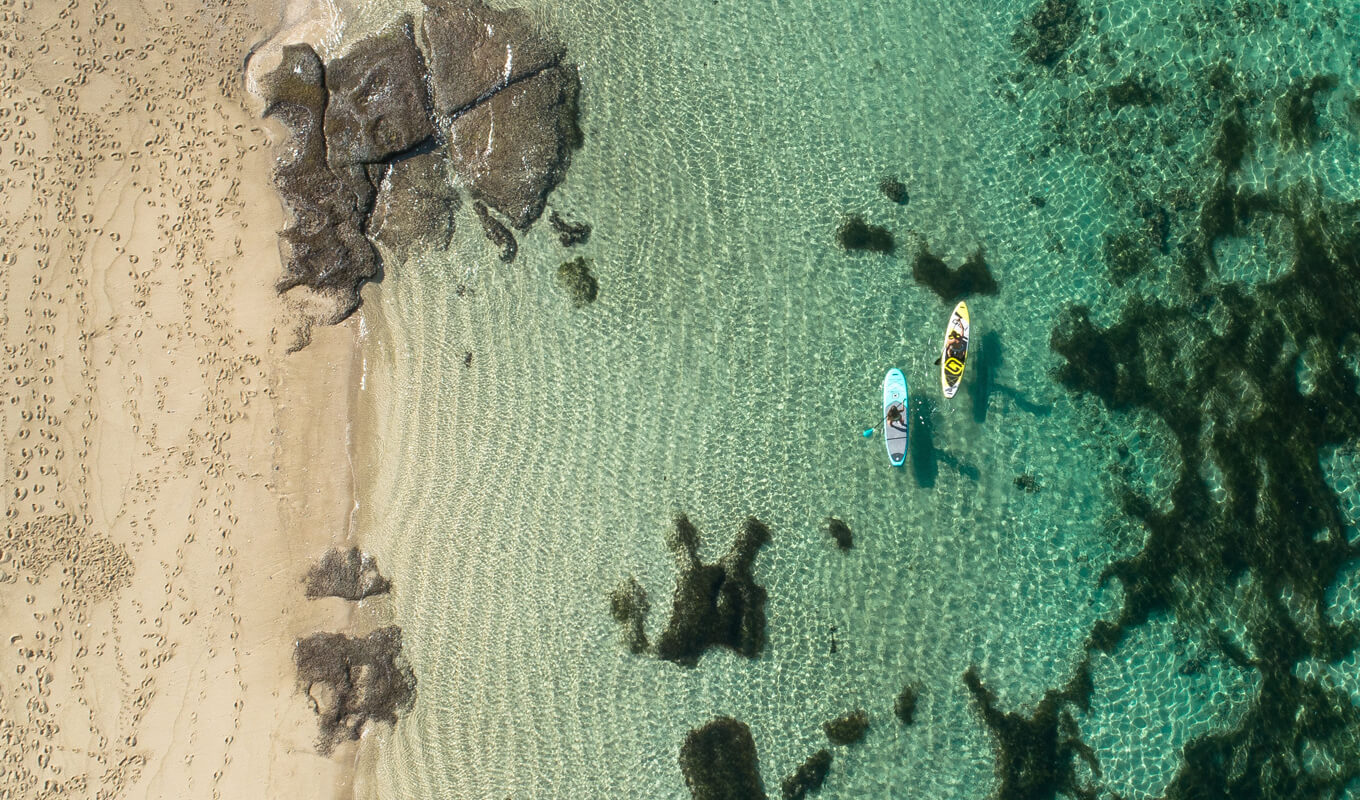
(734, 356)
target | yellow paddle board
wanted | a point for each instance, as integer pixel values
(954, 354)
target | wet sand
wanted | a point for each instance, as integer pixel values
(170, 469)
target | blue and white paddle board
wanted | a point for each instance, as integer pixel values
(895, 430)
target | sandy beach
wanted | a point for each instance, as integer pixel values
(170, 469)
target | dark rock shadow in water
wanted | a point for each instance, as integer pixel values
(987, 360)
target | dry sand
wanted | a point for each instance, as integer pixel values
(169, 469)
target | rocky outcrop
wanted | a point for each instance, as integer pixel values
(475, 51)
(324, 244)
(500, 113)
(349, 574)
(719, 762)
(378, 105)
(351, 680)
(415, 206)
(514, 147)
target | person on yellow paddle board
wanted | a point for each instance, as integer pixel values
(955, 355)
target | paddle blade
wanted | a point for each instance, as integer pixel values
(869, 432)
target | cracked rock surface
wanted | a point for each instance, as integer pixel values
(372, 150)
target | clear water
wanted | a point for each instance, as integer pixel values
(731, 362)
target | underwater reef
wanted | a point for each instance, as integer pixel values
(453, 105)
(848, 728)
(973, 276)
(715, 604)
(719, 762)
(856, 234)
(351, 680)
(808, 778)
(348, 574)
(574, 276)
(1234, 321)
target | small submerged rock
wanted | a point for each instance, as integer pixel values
(894, 190)
(568, 233)
(719, 762)
(840, 532)
(848, 728)
(856, 234)
(904, 707)
(497, 233)
(809, 776)
(349, 574)
(575, 277)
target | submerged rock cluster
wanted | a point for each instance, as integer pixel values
(718, 604)
(1254, 378)
(350, 680)
(715, 604)
(372, 148)
(973, 277)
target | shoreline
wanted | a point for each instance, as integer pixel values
(171, 470)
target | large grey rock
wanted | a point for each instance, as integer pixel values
(379, 105)
(415, 206)
(514, 148)
(349, 573)
(474, 51)
(352, 680)
(325, 246)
